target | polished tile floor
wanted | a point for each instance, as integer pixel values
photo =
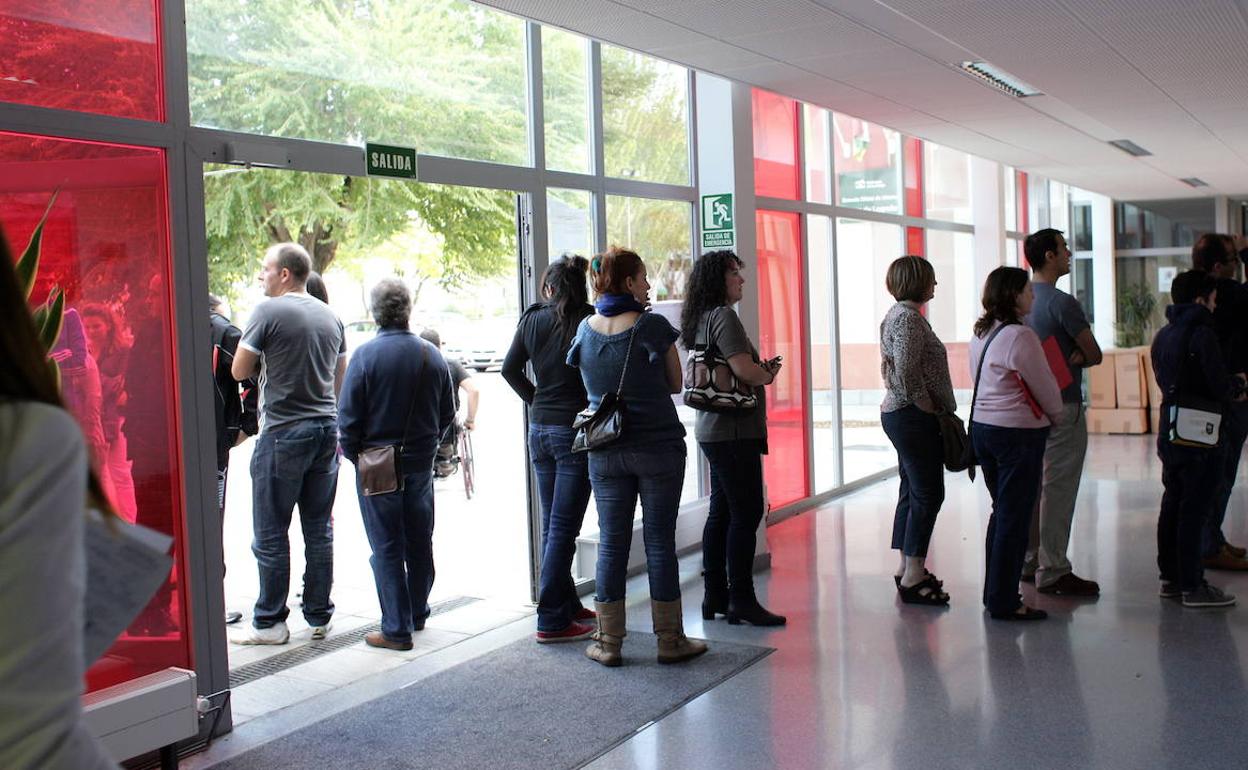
(861, 681)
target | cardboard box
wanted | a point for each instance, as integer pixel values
(1118, 421)
(1102, 384)
(1129, 379)
(1154, 392)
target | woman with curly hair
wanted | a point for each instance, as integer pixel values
(1016, 401)
(733, 442)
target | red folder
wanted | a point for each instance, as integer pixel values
(1027, 395)
(1057, 362)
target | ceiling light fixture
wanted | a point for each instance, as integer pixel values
(998, 79)
(1194, 181)
(1130, 147)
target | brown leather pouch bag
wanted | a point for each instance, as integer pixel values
(377, 470)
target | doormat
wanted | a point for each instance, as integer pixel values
(523, 705)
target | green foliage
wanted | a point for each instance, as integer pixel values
(1136, 303)
(50, 315)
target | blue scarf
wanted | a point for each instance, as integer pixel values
(614, 304)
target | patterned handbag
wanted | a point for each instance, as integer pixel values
(710, 384)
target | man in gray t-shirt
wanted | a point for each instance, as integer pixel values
(296, 345)
(1058, 315)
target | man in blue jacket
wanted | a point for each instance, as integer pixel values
(1189, 364)
(397, 392)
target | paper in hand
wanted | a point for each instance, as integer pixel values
(126, 563)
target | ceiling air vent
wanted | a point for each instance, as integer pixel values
(1130, 147)
(998, 79)
(1194, 181)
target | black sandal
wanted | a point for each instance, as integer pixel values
(926, 591)
(929, 573)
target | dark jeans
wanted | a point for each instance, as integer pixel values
(1012, 460)
(736, 508)
(921, 465)
(1234, 432)
(1191, 479)
(399, 526)
(294, 464)
(563, 488)
(655, 473)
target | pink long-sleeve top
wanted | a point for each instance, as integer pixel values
(1001, 401)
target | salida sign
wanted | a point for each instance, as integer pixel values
(385, 160)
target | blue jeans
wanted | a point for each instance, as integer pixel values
(1012, 460)
(563, 488)
(294, 464)
(399, 526)
(921, 464)
(736, 507)
(655, 473)
(1191, 479)
(1234, 432)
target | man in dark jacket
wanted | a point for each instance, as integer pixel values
(1189, 364)
(234, 405)
(1215, 254)
(397, 392)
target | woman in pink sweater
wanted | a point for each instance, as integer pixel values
(1016, 401)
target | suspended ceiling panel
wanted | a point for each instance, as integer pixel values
(1170, 76)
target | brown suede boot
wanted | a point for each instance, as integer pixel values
(669, 626)
(610, 634)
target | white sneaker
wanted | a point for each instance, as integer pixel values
(320, 632)
(277, 634)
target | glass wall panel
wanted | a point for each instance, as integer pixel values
(661, 233)
(864, 251)
(914, 176)
(775, 145)
(446, 76)
(106, 246)
(645, 117)
(1161, 224)
(102, 57)
(868, 165)
(820, 322)
(818, 145)
(782, 332)
(1009, 185)
(1037, 203)
(1081, 227)
(947, 183)
(570, 222)
(1059, 206)
(952, 312)
(1022, 194)
(565, 103)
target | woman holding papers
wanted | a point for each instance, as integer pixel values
(45, 488)
(1016, 401)
(917, 388)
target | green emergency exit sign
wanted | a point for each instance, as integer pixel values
(385, 160)
(717, 221)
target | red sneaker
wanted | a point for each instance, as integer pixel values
(585, 614)
(575, 632)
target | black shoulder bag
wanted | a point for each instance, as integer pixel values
(595, 428)
(377, 469)
(959, 452)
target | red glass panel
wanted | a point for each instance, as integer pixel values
(98, 56)
(913, 168)
(776, 174)
(915, 242)
(1021, 199)
(782, 332)
(106, 245)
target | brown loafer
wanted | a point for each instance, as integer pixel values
(1236, 551)
(376, 639)
(1071, 584)
(1224, 559)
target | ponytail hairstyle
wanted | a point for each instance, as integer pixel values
(27, 373)
(564, 279)
(1000, 300)
(609, 271)
(705, 291)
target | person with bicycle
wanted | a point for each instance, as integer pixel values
(397, 393)
(543, 337)
(447, 461)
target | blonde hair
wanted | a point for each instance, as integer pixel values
(909, 278)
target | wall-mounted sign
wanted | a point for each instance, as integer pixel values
(872, 189)
(384, 160)
(717, 222)
(1165, 277)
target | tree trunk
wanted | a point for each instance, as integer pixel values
(320, 246)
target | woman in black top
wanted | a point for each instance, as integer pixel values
(543, 337)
